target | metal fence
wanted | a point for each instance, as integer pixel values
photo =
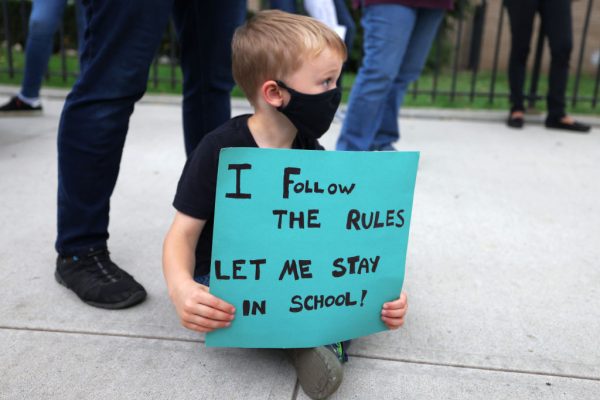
(461, 70)
(478, 20)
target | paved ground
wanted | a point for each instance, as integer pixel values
(503, 273)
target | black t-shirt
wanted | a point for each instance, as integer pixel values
(197, 186)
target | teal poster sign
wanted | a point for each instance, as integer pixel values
(308, 245)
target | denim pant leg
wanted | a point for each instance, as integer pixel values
(80, 19)
(43, 23)
(202, 279)
(417, 50)
(205, 29)
(345, 18)
(284, 5)
(120, 43)
(387, 29)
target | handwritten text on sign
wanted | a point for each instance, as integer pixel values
(308, 245)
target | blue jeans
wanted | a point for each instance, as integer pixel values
(284, 5)
(202, 279)
(205, 29)
(121, 41)
(44, 20)
(345, 18)
(397, 40)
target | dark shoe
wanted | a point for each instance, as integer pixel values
(319, 370)
(515, 122)
(98, 281)
(554, 123)
(18, 107)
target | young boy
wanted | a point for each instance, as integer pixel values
(287, 65)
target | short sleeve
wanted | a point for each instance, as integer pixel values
(195, 194)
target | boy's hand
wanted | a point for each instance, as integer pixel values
(393, 312)
(199, 310)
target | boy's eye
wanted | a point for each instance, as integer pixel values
(327, 82)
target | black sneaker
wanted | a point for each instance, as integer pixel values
(319, 370)
(16, 106)
(98, 281)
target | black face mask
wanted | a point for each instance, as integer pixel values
(311, 114)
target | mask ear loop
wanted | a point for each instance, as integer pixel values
(281, 84)
(285, 87)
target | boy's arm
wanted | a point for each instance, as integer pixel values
(197, 308)
(393, 312)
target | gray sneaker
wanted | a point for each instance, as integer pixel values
(319, 370)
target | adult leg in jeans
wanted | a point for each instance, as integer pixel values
(284, 5)
(205, 30)
(80, 19)
(345, 18)
(556, 17)
(120, 43)
(43, 24)
(44, 20)
(122, 39)
(521, 14)
(417, 50)
(387, 29)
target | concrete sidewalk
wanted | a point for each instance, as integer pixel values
(503, 275)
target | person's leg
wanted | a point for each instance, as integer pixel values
(417, 50)
(43, 23)
(80, 18)
(387, 29)
(121, 41)
(205, 30)
(556, 17)
(521, 14)
(345, 18)
(284, 5)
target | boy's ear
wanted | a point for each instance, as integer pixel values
(272, 94)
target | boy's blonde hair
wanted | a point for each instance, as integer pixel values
(273, 44)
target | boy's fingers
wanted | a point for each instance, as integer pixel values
(398, 303)
(214, 302)
(195, 327)
(393, 323)
(206, 323)
(213, 313)
(394, 313)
